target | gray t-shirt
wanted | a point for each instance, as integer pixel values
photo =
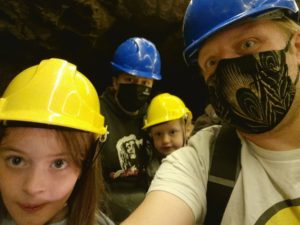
(11, 222)
(104, 220)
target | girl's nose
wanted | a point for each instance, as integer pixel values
(35, 182)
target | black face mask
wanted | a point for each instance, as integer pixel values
(133, 96)
(253, 92)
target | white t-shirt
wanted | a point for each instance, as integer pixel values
(267, 190)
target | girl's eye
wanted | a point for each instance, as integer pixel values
(15, 161)
(60, 164)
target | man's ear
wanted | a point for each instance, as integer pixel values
(297, 46)
(115, 82)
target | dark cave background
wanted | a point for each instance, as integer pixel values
(86, 33)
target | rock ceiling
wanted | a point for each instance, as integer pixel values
(86, 32)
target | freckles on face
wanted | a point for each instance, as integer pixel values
(37, 175)
(168, 137)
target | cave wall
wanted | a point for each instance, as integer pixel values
(86, 33)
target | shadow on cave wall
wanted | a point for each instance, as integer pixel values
(86, 33)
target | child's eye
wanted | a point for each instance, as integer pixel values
(60, 164)
(173, 132)
(15, 161)
(156, 135)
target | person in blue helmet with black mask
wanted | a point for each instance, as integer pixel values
(249, 54)
(136, 65)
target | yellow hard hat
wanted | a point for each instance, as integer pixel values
(53, 93)
(165, 107)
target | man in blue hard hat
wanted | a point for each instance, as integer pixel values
(136, 65)
(249, 54)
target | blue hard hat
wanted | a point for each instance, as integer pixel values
(205, 17)
(139, 57)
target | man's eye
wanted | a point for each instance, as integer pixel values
(209, 66)
(211, 63)
(248, 44)
(60, 164)
(129, 80)
(145, 83)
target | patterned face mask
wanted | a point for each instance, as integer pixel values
(253, 92)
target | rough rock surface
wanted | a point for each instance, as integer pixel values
(86, 32)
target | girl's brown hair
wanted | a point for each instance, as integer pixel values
(86, 199)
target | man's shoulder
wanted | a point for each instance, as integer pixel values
(210, 132)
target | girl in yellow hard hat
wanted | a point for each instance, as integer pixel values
(169, 123)
(50, 127)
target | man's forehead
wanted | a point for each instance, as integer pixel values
(128, 75)
(252, 21)
(241, 27)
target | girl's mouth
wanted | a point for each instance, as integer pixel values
(31, 208)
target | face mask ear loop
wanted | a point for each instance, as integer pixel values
(297, 78)
(285, 50)
(288, 44)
